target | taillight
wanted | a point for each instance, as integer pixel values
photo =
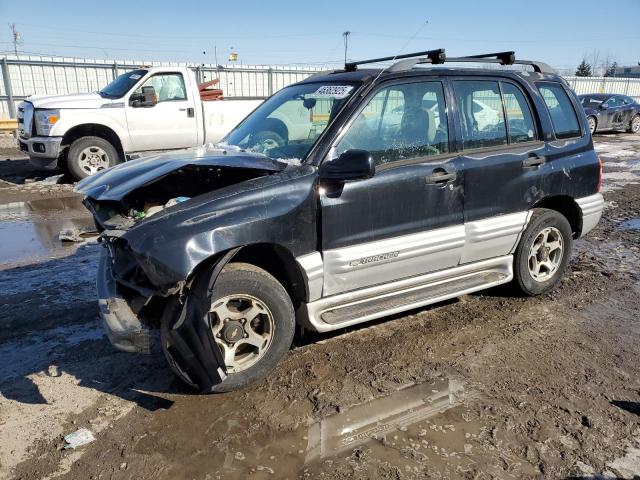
(599, 173)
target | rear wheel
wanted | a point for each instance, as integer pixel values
(543, 253)
(634, 126)
(593, 123)
(89, 155)
(249, 318)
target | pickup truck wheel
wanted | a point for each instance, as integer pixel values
(634, 125)
(89, 155)
(249, 318)
(543, 253)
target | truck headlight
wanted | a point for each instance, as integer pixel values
(45, 119)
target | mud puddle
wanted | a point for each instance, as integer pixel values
(631, 224)
(416, 424)
(36, 230)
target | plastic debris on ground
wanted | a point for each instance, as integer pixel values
(79, 438)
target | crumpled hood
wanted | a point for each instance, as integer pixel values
(116, 182)
(77, 100)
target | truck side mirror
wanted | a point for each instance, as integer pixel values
(351, 165)
(148, 98)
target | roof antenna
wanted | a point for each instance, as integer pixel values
(401, 50)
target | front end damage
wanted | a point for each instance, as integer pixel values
(163, 218)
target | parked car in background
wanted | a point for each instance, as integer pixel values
(344, 213)
(149, 109)
(606, 111)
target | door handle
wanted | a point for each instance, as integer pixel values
(534, 161)
(439, 176)
(190, 111)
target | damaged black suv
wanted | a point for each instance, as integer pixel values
(346, 197)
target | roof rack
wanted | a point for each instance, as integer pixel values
(436, 57)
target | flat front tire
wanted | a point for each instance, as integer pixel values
(543, 253)
(249, 318)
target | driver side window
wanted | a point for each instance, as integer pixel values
(168, 86)
(400, 122)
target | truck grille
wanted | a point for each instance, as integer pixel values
(25, 119)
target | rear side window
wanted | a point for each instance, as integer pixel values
(563, 116)
(481, 114)
(519, 118)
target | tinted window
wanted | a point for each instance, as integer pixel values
(614, 102)
(519, 118)
(480, 112)
(168, 87)
(122, 84)
(563, 116)
(401, 122)
(627, 100)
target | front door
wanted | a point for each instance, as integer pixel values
(171, 123)
(407, 219)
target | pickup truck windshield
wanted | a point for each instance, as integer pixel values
(122, 84)
(286, 125)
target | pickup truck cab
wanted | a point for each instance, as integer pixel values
(149, 109)
(344, 198)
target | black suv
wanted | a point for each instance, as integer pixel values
(346, 197)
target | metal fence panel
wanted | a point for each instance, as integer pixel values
(35, 75)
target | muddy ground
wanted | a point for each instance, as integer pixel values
(486, 386)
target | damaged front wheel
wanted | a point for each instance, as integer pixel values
(232, 334)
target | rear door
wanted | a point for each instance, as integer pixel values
(169, 124)
(502, 152)
(407, 219)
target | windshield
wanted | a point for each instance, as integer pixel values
(592, 102)
(286, 125)
(122, 84)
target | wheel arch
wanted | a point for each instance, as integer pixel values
(566, 206)
(273, 258)
(93, 130)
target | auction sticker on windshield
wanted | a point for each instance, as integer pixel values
(333, 91)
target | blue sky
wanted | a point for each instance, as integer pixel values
(559, 32)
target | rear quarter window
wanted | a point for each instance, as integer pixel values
(563, 115)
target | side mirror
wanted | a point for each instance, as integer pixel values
(351, 165)
(603, 106)
(148, 98)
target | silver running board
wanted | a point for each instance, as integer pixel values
(350, 308)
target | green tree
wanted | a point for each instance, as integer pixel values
(584, 69)
(611, 71)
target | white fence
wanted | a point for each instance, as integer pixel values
(22, 76)
(27, 75)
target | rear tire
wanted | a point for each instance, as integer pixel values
(543, 253)
(89, 155)
(250, 319)
(634, 125)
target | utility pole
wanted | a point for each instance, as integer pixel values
(346, 43)
(17, 37)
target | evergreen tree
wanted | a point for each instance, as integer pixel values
(584, 69)
(611, 71)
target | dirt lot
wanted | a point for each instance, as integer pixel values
(486, 386)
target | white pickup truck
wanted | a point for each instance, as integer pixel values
(149, 109)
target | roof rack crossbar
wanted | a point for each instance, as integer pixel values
(436, 56)
(409, 60)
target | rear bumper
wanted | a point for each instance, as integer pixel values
(43, 151)
(122, 325)
(591, 208)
